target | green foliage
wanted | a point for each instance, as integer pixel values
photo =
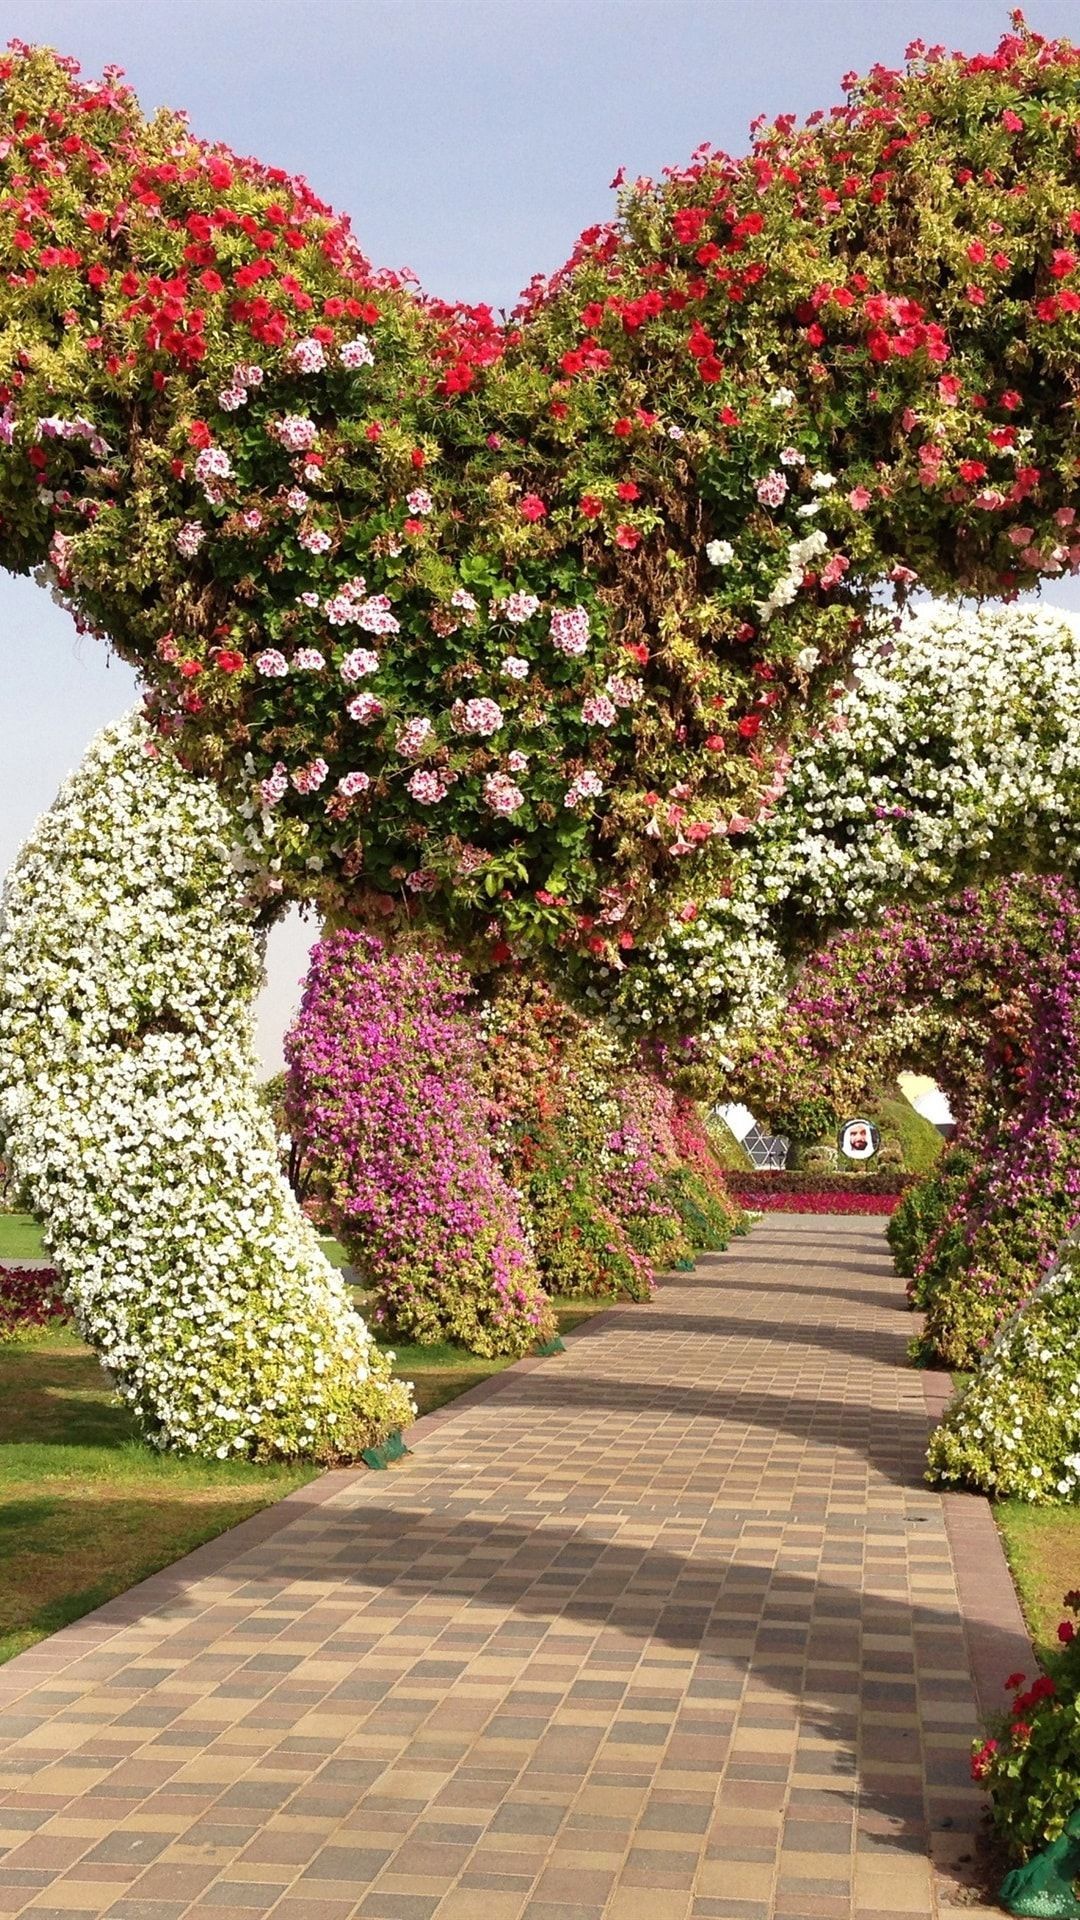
(822, 1158)
(580, 1246)
(808, 1119)
(920, 1216)
(730, 1152)
(709, 1218)
(920, 1142)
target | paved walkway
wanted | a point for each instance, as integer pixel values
(664, 1628)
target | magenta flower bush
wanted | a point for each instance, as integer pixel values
(982, 992)
(475, 1156)
(383, 1092)
(640, 1153)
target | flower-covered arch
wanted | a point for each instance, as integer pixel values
(131, 1118)
(980, 990)
(514, 630)
(950, 754)
(513, 627)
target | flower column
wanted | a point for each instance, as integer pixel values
(130, 1114)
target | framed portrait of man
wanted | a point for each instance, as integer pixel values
(859, 1140)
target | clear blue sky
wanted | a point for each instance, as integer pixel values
(468, 139)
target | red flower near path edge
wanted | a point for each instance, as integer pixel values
(809, 1202)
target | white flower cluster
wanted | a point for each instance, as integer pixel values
(957, 746)
(953, 752)
(1015, 1431)
(131, 1117)
(800, 554)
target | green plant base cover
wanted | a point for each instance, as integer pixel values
(550, 1346)
(683, 1266)
(380, 1457)
(1045, 1885)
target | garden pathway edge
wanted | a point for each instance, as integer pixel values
(665, 1627)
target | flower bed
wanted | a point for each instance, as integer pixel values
(1030, 1763)
(813, 1199)
(30, 1301)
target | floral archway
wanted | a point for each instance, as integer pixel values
(515, 631)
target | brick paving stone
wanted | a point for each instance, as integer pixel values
(665, 1627)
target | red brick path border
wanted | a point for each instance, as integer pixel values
(997, 1637)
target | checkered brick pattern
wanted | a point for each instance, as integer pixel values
(663, 1628)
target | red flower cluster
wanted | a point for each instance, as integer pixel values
(812, 1200)
(29, 1300)
(767, 386)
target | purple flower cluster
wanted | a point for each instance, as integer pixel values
(1021, 1194)
(983, 992)
(384, 1096)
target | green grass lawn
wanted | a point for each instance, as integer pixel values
(333, 1250)
(20, 1238)
(87, 1509)
(1042, 1546)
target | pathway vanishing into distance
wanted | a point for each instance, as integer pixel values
(663, 1628)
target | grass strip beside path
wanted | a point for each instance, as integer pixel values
(1042, 1546)
(87, 1509)
(20, 1238)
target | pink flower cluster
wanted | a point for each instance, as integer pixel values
(570, 629)
(383, 1095)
